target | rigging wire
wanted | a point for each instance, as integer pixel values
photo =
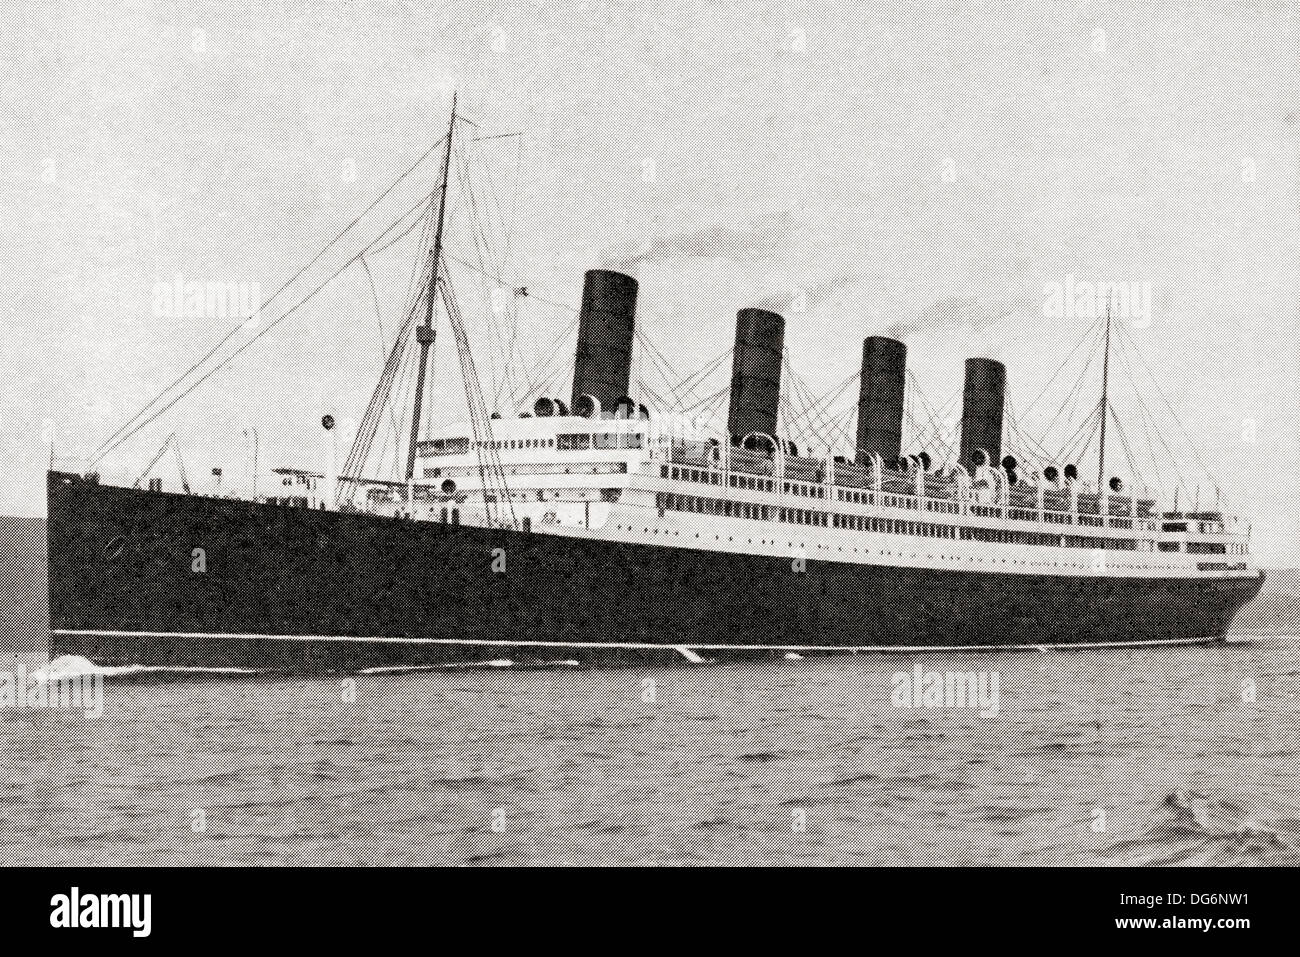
(101, 451)
(256, 338)
(491, 472)
(1145, 420)
(478, 225)
(1168, 405)
(1074, 393)
(707, 400)
(933, 428)
(379, 319)
(816, 412)
(1074, 451)
(544, 367)
(1086, 337)
(1128, 452)
(689, 386)
(359, 454)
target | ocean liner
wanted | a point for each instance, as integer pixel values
(609, 527)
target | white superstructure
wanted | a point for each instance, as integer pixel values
(622, 479)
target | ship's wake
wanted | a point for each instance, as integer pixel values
(68, 667)
(1194, 829)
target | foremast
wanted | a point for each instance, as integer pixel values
(424, 334)
(1105, 407)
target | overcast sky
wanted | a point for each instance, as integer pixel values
(915, 160)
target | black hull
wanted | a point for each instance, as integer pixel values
(297, 590)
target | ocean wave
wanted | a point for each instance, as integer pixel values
(1196, 829)
(482, 782)
(763, 757)
(855, 779)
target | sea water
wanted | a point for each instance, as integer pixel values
(1149, 756)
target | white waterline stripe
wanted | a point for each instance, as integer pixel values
(633, 645)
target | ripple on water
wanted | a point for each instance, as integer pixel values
(710, 773)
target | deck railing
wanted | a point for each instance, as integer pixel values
(930, 492)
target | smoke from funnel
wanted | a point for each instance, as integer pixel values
(946, 315)
(799, 299)
(742, 243)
